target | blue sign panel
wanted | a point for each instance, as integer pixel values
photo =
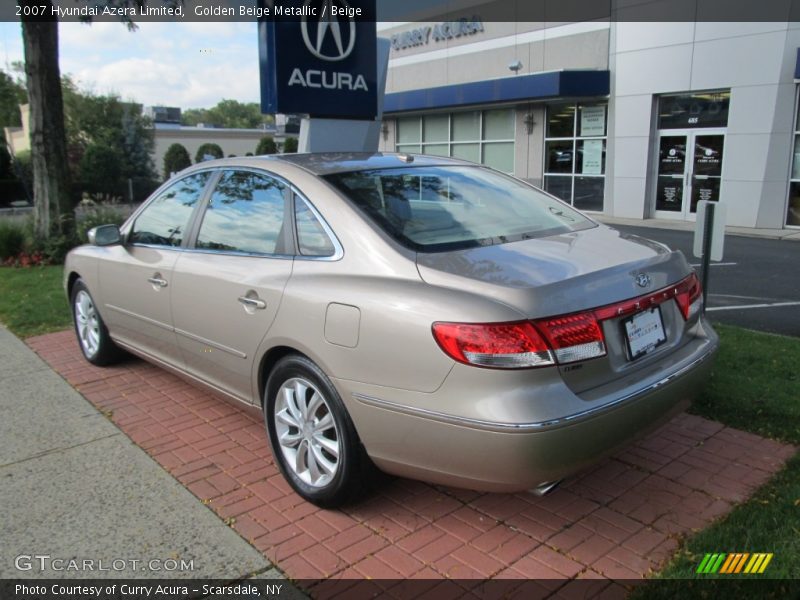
(319, 57)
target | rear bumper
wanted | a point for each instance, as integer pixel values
(414, 437)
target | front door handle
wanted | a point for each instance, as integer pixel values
(254, 302)
(158, 281)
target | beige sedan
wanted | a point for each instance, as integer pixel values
(431, 317)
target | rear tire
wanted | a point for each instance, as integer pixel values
(314, 442)
(95, 343)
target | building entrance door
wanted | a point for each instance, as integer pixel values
(689, 170)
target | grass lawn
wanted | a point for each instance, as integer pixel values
(32, 300)
(754, 387)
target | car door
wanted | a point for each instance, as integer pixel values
(136, 277)
(228, 286)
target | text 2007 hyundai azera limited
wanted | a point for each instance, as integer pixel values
(433, 317)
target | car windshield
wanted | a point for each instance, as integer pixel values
(432, 209)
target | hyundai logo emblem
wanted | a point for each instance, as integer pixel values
(329, 26)
(643, 280)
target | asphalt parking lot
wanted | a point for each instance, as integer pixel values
(756, 285)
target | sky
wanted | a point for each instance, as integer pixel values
(189, 65)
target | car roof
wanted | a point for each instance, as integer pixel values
(326, 163)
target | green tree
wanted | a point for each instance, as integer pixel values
(12, 94)
(208, 149)
(266, 145)
(53, 210)
(107, 121)
(101, 170)
(230, 114)
(176, 158)
(290, 145)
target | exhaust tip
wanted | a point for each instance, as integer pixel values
(545, 488)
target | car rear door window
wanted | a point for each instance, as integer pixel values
(245, 214)
(163, 221)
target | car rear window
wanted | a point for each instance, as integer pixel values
(431, 209)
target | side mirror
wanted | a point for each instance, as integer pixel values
(104, 235)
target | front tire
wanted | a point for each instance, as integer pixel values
(312, 437)
(93, 339)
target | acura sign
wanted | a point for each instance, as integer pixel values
(319, 58)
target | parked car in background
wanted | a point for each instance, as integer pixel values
(429, 316)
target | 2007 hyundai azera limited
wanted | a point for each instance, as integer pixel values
(432, 317)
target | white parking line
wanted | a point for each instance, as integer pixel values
(743, 306)
(716, 264)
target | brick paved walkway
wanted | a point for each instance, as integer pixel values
(618, 521)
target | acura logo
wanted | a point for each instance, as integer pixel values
(643, 280)
(329, 27)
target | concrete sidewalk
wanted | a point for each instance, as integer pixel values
(73, 486)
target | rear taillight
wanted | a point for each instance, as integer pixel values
(523, 344)
(498, 345)
(573, 337)
(689, 296)
(554, 340)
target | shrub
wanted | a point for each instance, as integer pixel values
(101, 170)
(176, 159)
(266, 145)
(208, 149)
(290, 145)
(12, 239)
(22, 166)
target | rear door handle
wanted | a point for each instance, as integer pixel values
(157, 281)
(254, 302)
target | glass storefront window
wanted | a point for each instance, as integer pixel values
(558, 156)
(408, 130)
(466, 126)
(435, 128)
(498, 125)
(793, 206)
(485, 137)
(436, 149)
(687, 111)
(575, 154)
(560, 120)
(499, 156)
(466, 152)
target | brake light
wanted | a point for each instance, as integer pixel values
(499, 345)
(689, 296)
(553, 340)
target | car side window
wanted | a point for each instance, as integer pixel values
(163, 222)
(312, 240)
(245, 214)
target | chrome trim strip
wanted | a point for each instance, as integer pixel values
(236, 253)
(202, 340)
(524, 427)
(140, 317)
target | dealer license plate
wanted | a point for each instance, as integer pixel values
(644, 332)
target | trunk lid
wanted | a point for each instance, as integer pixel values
(569, 273)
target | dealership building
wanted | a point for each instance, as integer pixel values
(632, 120)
